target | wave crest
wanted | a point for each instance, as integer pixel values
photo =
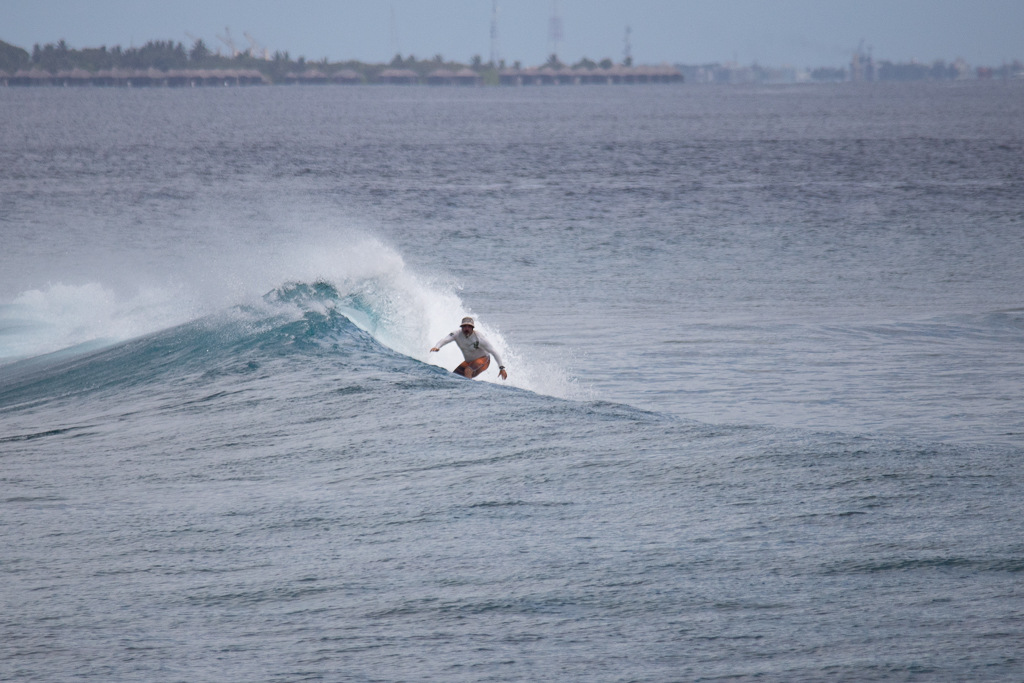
(362, 283)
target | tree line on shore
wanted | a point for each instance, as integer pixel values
(168, 55)
(155, 54)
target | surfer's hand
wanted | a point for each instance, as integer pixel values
(434, 349)
(504, 375)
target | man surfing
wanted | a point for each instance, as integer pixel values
(474, 348)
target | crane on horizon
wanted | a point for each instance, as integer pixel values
(226, 39)
(255, 48)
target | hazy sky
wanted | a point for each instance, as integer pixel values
(770, 32)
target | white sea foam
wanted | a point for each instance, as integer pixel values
(377, 290)
(60, 316)
(409, 313)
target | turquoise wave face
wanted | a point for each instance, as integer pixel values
(298, 323)
(357, 306)
(389, 318)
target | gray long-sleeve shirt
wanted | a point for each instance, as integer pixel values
(474, 346)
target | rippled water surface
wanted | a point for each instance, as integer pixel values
(763, 417)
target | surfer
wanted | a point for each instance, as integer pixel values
(475, 349)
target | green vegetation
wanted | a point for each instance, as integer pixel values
(12, 58)
(58, 57)
(171, 56)
(156, 54)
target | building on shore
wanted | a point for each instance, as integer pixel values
(462, 77)
(347, 77)
(615, 75)
(318, 77)
(135, 78)
(307, 77)
(152, 77)
(397, 77)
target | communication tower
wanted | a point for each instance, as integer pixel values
(396, 45)
(495, 49)
(555, 28)
(627, 50)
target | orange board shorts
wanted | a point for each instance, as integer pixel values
(472, 368)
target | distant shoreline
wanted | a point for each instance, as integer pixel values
(247, 77)
(171, 64)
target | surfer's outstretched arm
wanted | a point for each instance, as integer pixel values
(446, 340)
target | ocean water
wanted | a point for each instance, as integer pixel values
(763, 417)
